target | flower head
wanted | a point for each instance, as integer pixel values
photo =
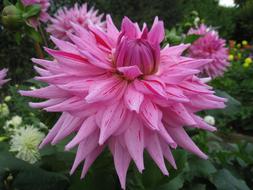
(231, 57)
(61, 23)
(209, 119)
(210, 46)
(244, 42)
(43, 15)
(3, 74)
(25, 141)
(119, 89)
(4, 110)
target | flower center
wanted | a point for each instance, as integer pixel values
(136, 52)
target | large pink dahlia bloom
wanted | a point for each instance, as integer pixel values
(119, 89)
(43, 16)
(3, 74)
(61, 23)
(210, 46)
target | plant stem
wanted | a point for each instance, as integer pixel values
(38, 50)
(43, 36)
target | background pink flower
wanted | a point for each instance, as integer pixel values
(3, 74)
(44, 16)
(119, 89)
(61, 23)
(210, 46)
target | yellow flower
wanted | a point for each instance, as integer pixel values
(248, 60)
(238, 45)
(244, 43)
(231, 57)
(246, 65)
(239, 55)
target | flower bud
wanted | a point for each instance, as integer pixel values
(137, 52)
(11, 17)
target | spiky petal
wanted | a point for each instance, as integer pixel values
(3, 74)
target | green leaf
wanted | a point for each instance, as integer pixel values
(232, 104)
(28, 177)
(224, 180)
(31, 11)
(201, 168)
(35, 35)
(174, 184)
(191, 38)
(6, 3)
(18, 37)
(172, 37)
(198, 187)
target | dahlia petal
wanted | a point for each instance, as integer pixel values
(121, 161)
(101, 37)
(133, 98)
(86, 129)
(66, 129)
(177, 75)
(95, 51)
(42, 72)
(195, 63)
(106, 90)
(182, 139)
(95, 61)
(53, 132)
(174, 50)
(156, 34)
(50, 65)
(168, 154)
(86, 147)
(112, 118)
(130, 72)
(90, 159)
(165, 135)
(129, 28)
(127, 122)
(149, 113)
(47, 103)
(155, 151)
(183, 114)
(111, 28)
(46, 92)
(134, 139)
(64, 46)
(155, 86)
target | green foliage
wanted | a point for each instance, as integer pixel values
(244, 26)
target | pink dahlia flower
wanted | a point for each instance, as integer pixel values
(61, 23)
(43, 16)
(119, 89)
(3, 74)
(210, 46)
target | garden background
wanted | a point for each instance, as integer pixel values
(230, 149)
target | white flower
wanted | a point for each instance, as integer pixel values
(209, 119)
(16, 120)
(4, 110)
(33, 88)
(25, 143)
(7, 98)
(196, 21)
